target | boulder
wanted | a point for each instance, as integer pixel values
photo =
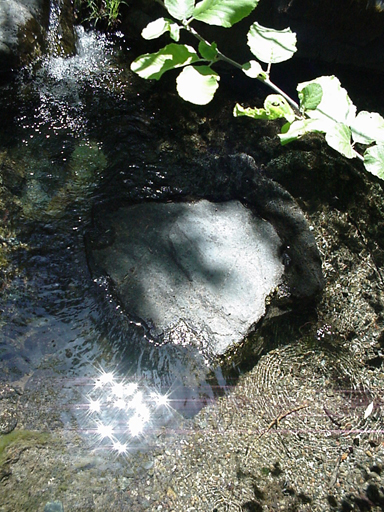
(186, 265)
(201, 268)
(237, 176)
(23, 24)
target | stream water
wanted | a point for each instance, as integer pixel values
(67, 126)
(95, 414)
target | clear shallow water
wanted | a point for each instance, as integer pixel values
(68, 125)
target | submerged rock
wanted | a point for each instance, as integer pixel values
(195, 272)
(54, 506)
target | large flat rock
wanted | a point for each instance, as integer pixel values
(198, 266)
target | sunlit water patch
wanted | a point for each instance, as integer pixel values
(94, 57)
(56, 322)
(120, 414)
(60, 85)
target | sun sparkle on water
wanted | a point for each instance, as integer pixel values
(105, 431)
(105, 378)
(122, 412)
(94, 405)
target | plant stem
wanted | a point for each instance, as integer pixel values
(282, 93)
(221, 56)
(237, 65)
(357, 155)
(266, 80)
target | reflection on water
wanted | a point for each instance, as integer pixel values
(121, 414)
(54, 319)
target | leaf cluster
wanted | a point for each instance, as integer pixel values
(324, 106)
(198, 82)
(102, 10)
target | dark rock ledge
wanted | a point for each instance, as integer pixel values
(177, 271)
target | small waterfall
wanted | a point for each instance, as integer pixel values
(93, 57)
(62, 80)
(61, 36)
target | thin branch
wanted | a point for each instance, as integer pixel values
(357, 155)
(237, 65)
(282, 93)
(220, 56)
(276, 421)
(192, 31)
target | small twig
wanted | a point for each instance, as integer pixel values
(335, 472)
(357, 155)
(275, 422)
(274, 87)
(237, 65)
(221, 56)
(283, 415)
(334, 420)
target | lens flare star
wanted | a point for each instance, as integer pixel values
(105, 431)
(123, 413)
(94, 405)
(160, 400)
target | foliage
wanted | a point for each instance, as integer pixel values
(324, 106)
(103, 10)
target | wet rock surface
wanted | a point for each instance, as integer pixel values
(226, 178)
(210, 265)
(31, 28)
(8, 415)
(22, 30)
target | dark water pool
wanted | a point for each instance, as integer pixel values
(74, 133)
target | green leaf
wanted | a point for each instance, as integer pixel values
(338, 137)
(197, 84)
(158, 27)
(180, 9)
(253, 69)
(335, 105)
(255, 113)
(154, 65)
(334, 113)
(275, 107)
(224, 13)
(368, 127)
(279, 106)
(207, 51)
(174, 31)
(295, 130)
(374, 160)
(269, 45)
(310, 96)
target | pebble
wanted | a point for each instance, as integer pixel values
(54, 506)
(8, 421)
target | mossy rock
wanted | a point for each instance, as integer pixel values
(21, 440)
(12, 448)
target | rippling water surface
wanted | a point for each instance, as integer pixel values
(69, 124)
